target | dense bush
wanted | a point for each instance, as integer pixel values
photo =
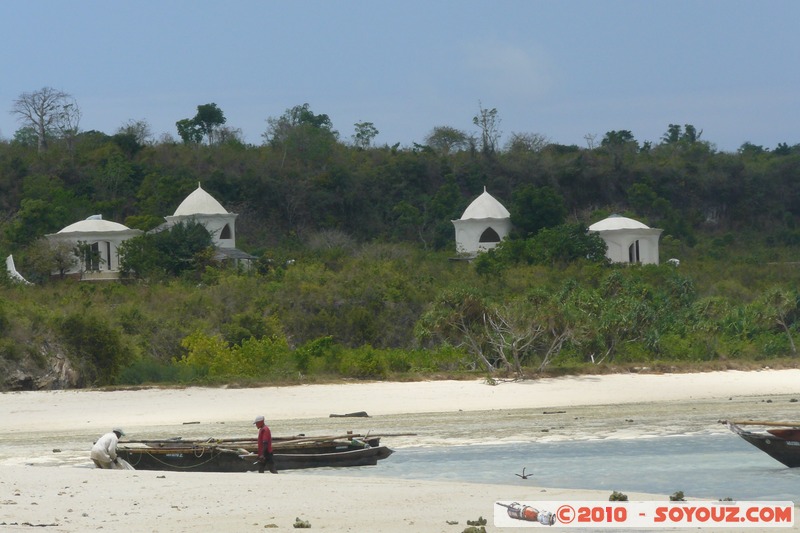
(314, 320)
(98, 349)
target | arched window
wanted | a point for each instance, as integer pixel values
(226, 232)
(633, 252)
(489, 235)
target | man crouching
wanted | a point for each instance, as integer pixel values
(104, 451)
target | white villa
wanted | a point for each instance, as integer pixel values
(483, 225)
(205, 209)
(104, 237)
(628, 240)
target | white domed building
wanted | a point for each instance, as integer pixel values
(96, 243)
(628, 240)
(483, 225)
(98, 240)
(203, 208)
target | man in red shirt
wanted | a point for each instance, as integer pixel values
(265, 458)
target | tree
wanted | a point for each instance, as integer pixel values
(565, 243)
(534, 208)
(526, 142)
(618, 144)
(445, 139)
(301, 132)
(204, 124)
(189, 131)
(208, 118)
(488, 121)
(228, 135)
(34, 218)
(47, 111)
(280, 129)
(617, 138)
(43, 257)
(780, 307)
(68, 120)
(26, 136)
(97, 348)
(184, 247)
(457, 316)
(365, 132)
(138, 129)
(675, 134)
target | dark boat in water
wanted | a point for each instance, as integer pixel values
(781, 440)
(239, 455)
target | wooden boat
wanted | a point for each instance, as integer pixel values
(781, 440)
(239, 455)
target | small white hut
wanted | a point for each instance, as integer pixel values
(203, 208)
(483, 225)
(628, 240)
(102, 239)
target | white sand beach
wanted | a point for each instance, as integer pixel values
(46, 479)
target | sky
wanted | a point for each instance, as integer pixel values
(567, 70)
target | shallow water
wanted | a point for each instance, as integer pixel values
(713, 466)
(659, 447)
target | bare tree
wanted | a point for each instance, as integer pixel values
(226, 134)
(514, 332)
(488, 121)
(47, 111)
(138, 129)
(526, 142)
(67, 120)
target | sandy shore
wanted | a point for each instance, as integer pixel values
(59, 492)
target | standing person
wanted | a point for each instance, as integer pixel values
(265, 458)
(104, 451)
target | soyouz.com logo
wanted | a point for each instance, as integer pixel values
(593, 515)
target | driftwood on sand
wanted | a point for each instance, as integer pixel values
(358, 414)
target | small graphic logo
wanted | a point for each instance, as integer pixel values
(529, 514)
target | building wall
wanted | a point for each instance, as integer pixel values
(468, 234)
(619, 241)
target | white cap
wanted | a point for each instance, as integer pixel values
(118, 430)
(259, 418)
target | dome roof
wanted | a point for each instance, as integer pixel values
(94, 224)
(485, 206)
(615, 222)
(200, 203)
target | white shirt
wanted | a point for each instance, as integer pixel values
(105, 448)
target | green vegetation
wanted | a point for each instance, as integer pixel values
(394, 312)
(354, 277)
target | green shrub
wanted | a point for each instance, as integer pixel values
(148, 370)
(440, 358)
(674, 347)
(364, 363)
(10, 350)
(320, 355)
(632, 352)
(96, 346)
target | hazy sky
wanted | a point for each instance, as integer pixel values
(563, 69)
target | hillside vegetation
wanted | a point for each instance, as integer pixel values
(355, 276)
